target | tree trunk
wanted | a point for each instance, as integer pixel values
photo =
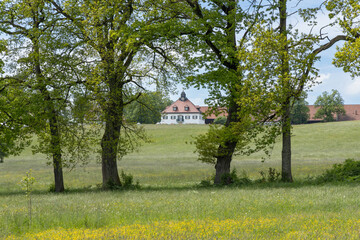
(286, 174)
(111, 137)
(109, 145)
(226, 151)
(56, 151)
(58, 174)
(223, 162)
(286, 86)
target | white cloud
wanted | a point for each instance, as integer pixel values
(198, 101)
(322, 77)
(353, 88)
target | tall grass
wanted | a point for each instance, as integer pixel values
(169, 160)
(170, 206)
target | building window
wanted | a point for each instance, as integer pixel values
(173, 117)
(175, 108)
(194, 117)
(187, 117)
(186, 108)
(356, 112)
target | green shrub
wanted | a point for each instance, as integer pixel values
(341, 172)
(271, 176)
(127, 182)
(205, 183)
(52, 187)
(220, 120)
(233, 179)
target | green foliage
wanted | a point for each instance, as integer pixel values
(126, 46)
(127, 182)
(329, 105)
(13, 134)
(346, 13)
(220, 120)
(27, 183)
(44, 74)
(206, 183)
(300, 112)
(233, 179)
(2, 50)
(260, 138)
(223, 73)
(52, 187)
(348, 171)
(147, 108)
(271, 176)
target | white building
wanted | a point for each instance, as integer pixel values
(185, 112)
(182, 111)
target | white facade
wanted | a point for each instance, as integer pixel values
(182, 111)
(182, 118)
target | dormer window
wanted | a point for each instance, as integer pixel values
(175, 108)
(186, 108)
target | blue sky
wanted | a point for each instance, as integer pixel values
(330, 76)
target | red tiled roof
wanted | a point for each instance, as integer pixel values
(193, 109)
(352, 112)
(221, 112)
(181, 107)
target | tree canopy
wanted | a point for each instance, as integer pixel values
(346, 14)
(147, 108)
(300, 112)
(330, 105)
(43, 73)
(128, 46)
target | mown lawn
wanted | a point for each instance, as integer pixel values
(170, 205)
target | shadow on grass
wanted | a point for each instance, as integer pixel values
(251, 186)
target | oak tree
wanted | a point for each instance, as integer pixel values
(41, 79)
(292, 55)
(126, 39)
(213, 34)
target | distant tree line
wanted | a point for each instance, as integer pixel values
(147, 108)
(329, 105)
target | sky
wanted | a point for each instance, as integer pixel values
(330, 77)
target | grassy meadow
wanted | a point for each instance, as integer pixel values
(171, 205)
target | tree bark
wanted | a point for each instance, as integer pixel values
(111, 137)
(286, 174)
(226, 151)
(109, 146)
(55, 138)
(57, 162)
(223, 162)
(286, 86)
